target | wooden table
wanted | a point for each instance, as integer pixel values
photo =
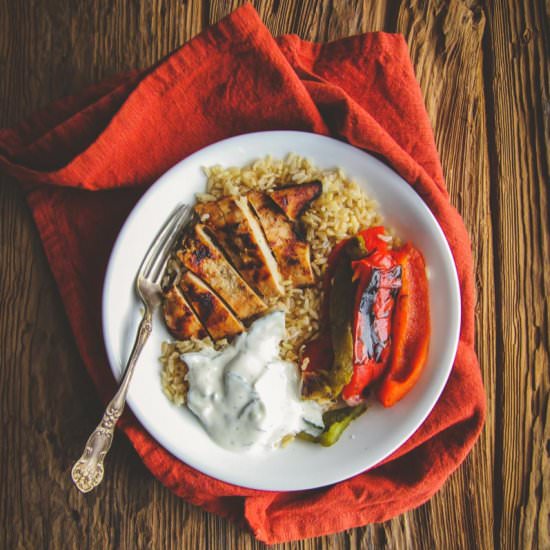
(484, 75)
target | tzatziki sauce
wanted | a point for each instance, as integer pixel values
(245, 395)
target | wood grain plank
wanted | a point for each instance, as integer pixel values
(518, 83)
(316, 20)
(445, 42)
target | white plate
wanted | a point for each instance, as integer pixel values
(301, 465)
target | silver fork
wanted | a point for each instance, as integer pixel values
(88, 471)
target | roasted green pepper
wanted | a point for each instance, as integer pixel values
(336, 421)
(341, 315)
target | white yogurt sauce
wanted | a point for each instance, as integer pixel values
(246, 397)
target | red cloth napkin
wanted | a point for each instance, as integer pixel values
(85, 160)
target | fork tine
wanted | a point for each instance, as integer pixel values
(165, 244)
(159, 263)
(152, 251)
(165, 236)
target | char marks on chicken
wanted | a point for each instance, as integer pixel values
(239, 233)
(180, 318)
(200, 255)
(290, 249)
(294, 199)
(219, 320)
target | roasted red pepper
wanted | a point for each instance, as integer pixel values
(378, 279)
(411, 329)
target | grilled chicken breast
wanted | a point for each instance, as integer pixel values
(180, 318)
(201, 256)
(237, 230)
(290, 250)
(219, 320)
(294, 199)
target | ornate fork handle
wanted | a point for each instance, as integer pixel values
(88, 471)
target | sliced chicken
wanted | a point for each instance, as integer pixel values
(179, 316)
(201, 256)
(219, 320)
(237, 230)
(290, 250)
(294, 199)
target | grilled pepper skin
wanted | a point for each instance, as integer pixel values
(374, 306)
(372, 328)
(379, 279)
